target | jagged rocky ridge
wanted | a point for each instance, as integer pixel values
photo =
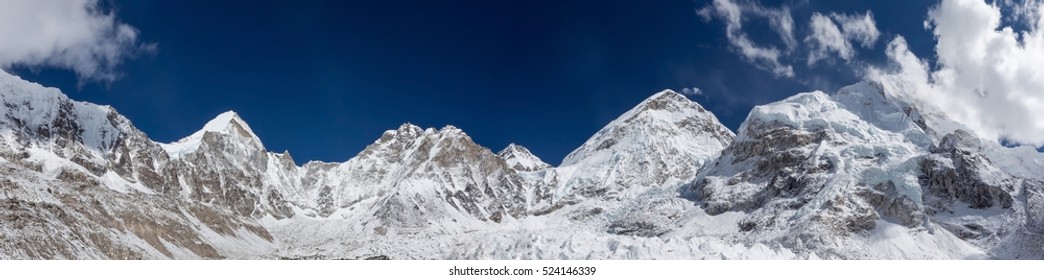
(856, 174)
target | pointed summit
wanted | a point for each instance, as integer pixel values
(521, 159)
(667, 135)
(227, 123)
(667, 94)
(666, 111)
(667, 100)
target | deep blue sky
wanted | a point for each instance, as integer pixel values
(323, 79)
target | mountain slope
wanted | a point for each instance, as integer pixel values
(79, 181)
(836, 174)
(410, 176)
(861, 173)
(521, 159)
(664, 139)
(226, 164)
(539, 178)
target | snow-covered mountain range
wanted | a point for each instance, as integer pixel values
(861, 173)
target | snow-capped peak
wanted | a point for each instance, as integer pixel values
(664, 100)
(666, 134)
(521, 159)
(227, 123)
(407, 129)
(667, 94)
(224, 123)
(451, 129)
(661, 112)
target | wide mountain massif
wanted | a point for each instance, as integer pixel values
(862, 173)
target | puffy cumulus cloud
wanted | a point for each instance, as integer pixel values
(827, 39)
(986, 76)
(765, 57)
(72, 34)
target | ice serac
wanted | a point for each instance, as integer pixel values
(834, 175)
(659, 143)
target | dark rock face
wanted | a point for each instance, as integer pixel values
(886, 198)
(138, 158)
(961, 185)
(958, 171)
(781, 161)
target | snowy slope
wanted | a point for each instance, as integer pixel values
(521, 159)
(77, 180)
(225, 163)
(837, 175)
(38, 113)
(411, 175)
(539, 179)
(663, 140)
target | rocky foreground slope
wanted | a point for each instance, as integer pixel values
(856, 174)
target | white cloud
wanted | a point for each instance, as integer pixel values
(987, 76)
(71, 34)
(779, 20)
(859, 28)
(830, 36)
(694, 91)
(765, 57)
(826, 38)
